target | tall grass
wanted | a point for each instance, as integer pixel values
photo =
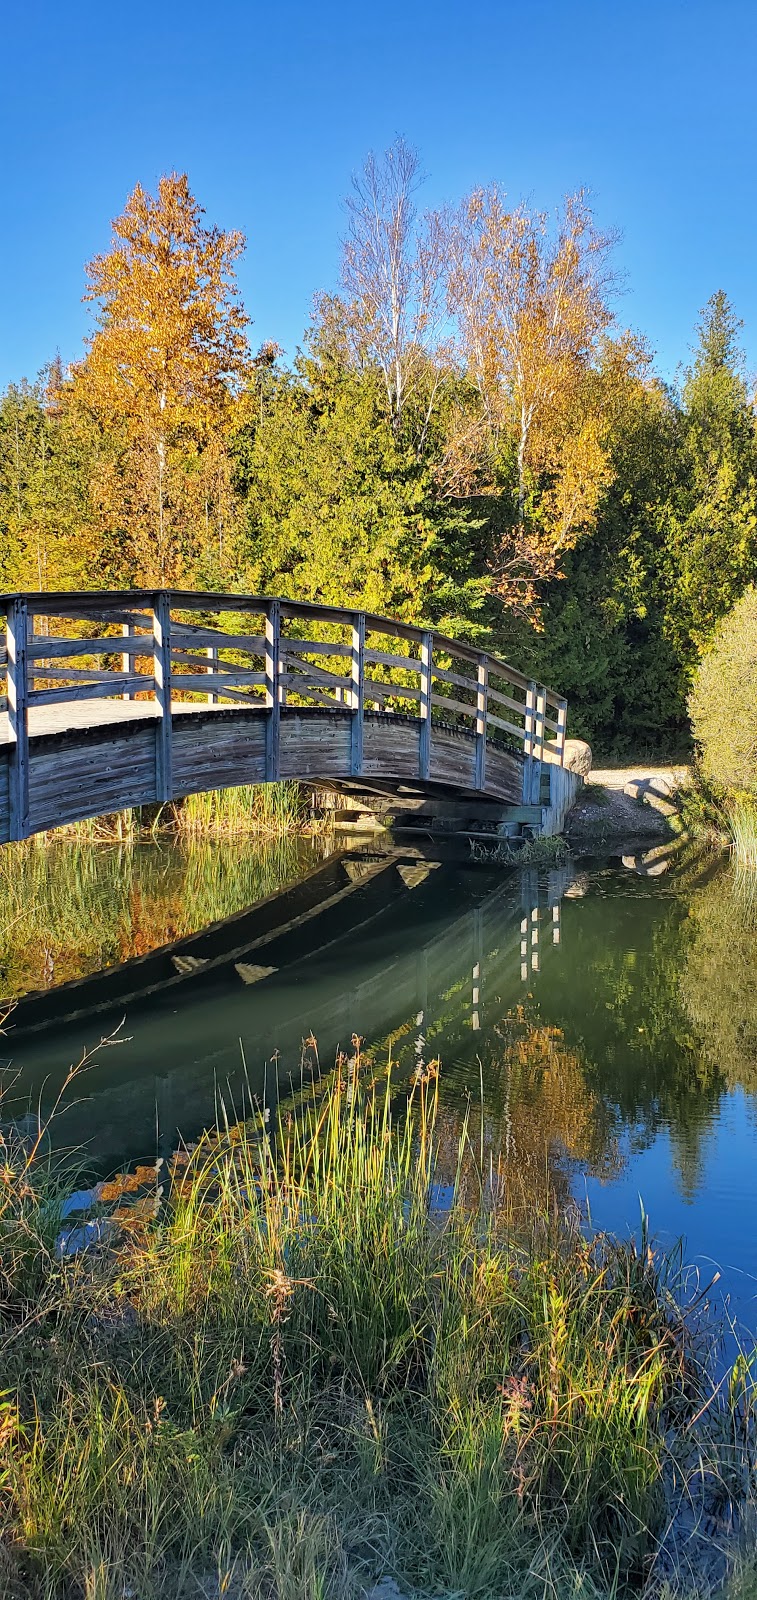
(270, 808)
(300, 1377)
(742, 830)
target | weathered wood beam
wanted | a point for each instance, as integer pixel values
(16, 628)
(424, 736)
(162, 674)
(272, 675)
(357, 695)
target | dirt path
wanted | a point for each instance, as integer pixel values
(625, 802)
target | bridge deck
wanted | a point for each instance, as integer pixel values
(80, 716)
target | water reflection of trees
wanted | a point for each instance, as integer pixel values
(538, 1118)
(718, 983)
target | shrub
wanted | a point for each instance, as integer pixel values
(723, 701)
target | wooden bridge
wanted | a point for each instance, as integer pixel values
(122, 699)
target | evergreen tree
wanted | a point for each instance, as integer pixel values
(712, 530)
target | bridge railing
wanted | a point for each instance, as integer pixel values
(176, 648)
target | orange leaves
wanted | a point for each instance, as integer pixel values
(162, 375)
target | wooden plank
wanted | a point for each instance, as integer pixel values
(455, 678)
(218, 682)
(379, 658)
(505, 700)
(311, 692)
(235, 677)
(162, 671)
(482, 689)
(16, 634)
(77, 675)
(113, 687)
(313, 647)
(424, 737)
(562, 728)
(446, 703)
(357, 696)
(396, 691)
(49, 648)
(507, 727)
(207, 600)
(307, 672)
(252, 644)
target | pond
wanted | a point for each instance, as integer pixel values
(596, 1023)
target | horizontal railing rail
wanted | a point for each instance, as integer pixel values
(177, 647)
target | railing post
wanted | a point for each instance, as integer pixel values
(212, 655)
(272, 688)
(532, 768)
(357, 695)
(161, 628)
(562, 725)
(18, 708)
(126, 659)
(482, 708)
(424, 737)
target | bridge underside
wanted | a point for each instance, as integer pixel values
(106, 758)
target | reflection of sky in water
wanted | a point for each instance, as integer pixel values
(718, 1222)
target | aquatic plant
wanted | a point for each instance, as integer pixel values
(300, 1375)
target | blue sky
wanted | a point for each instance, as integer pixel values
(269, 108)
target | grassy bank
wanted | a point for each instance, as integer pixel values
(299, 1377)
(726, 818)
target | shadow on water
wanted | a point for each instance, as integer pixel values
(596, 1024)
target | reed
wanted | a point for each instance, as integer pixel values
(742, 830)
(300, 1377)
(269, 808)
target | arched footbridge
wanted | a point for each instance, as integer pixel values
(115, 700)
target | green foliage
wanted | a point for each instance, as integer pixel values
(723, 702)
(712, 527)
(342, 507)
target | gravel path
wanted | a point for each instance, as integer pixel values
(626, 802)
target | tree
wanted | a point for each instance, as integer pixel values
(393, 271)
(46, 537)
(723, 701)
(531, 304)
(162, 376)
(712, 529)
(341, 508)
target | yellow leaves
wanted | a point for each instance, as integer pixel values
(163, 371)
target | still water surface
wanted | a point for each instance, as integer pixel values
(608, 1018)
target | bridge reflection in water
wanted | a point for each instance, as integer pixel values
(419, 958)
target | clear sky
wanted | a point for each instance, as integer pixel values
(269, 107)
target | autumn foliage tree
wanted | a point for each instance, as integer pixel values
(531, 304)
(162, 376)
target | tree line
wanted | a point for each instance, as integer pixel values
(467, 437)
